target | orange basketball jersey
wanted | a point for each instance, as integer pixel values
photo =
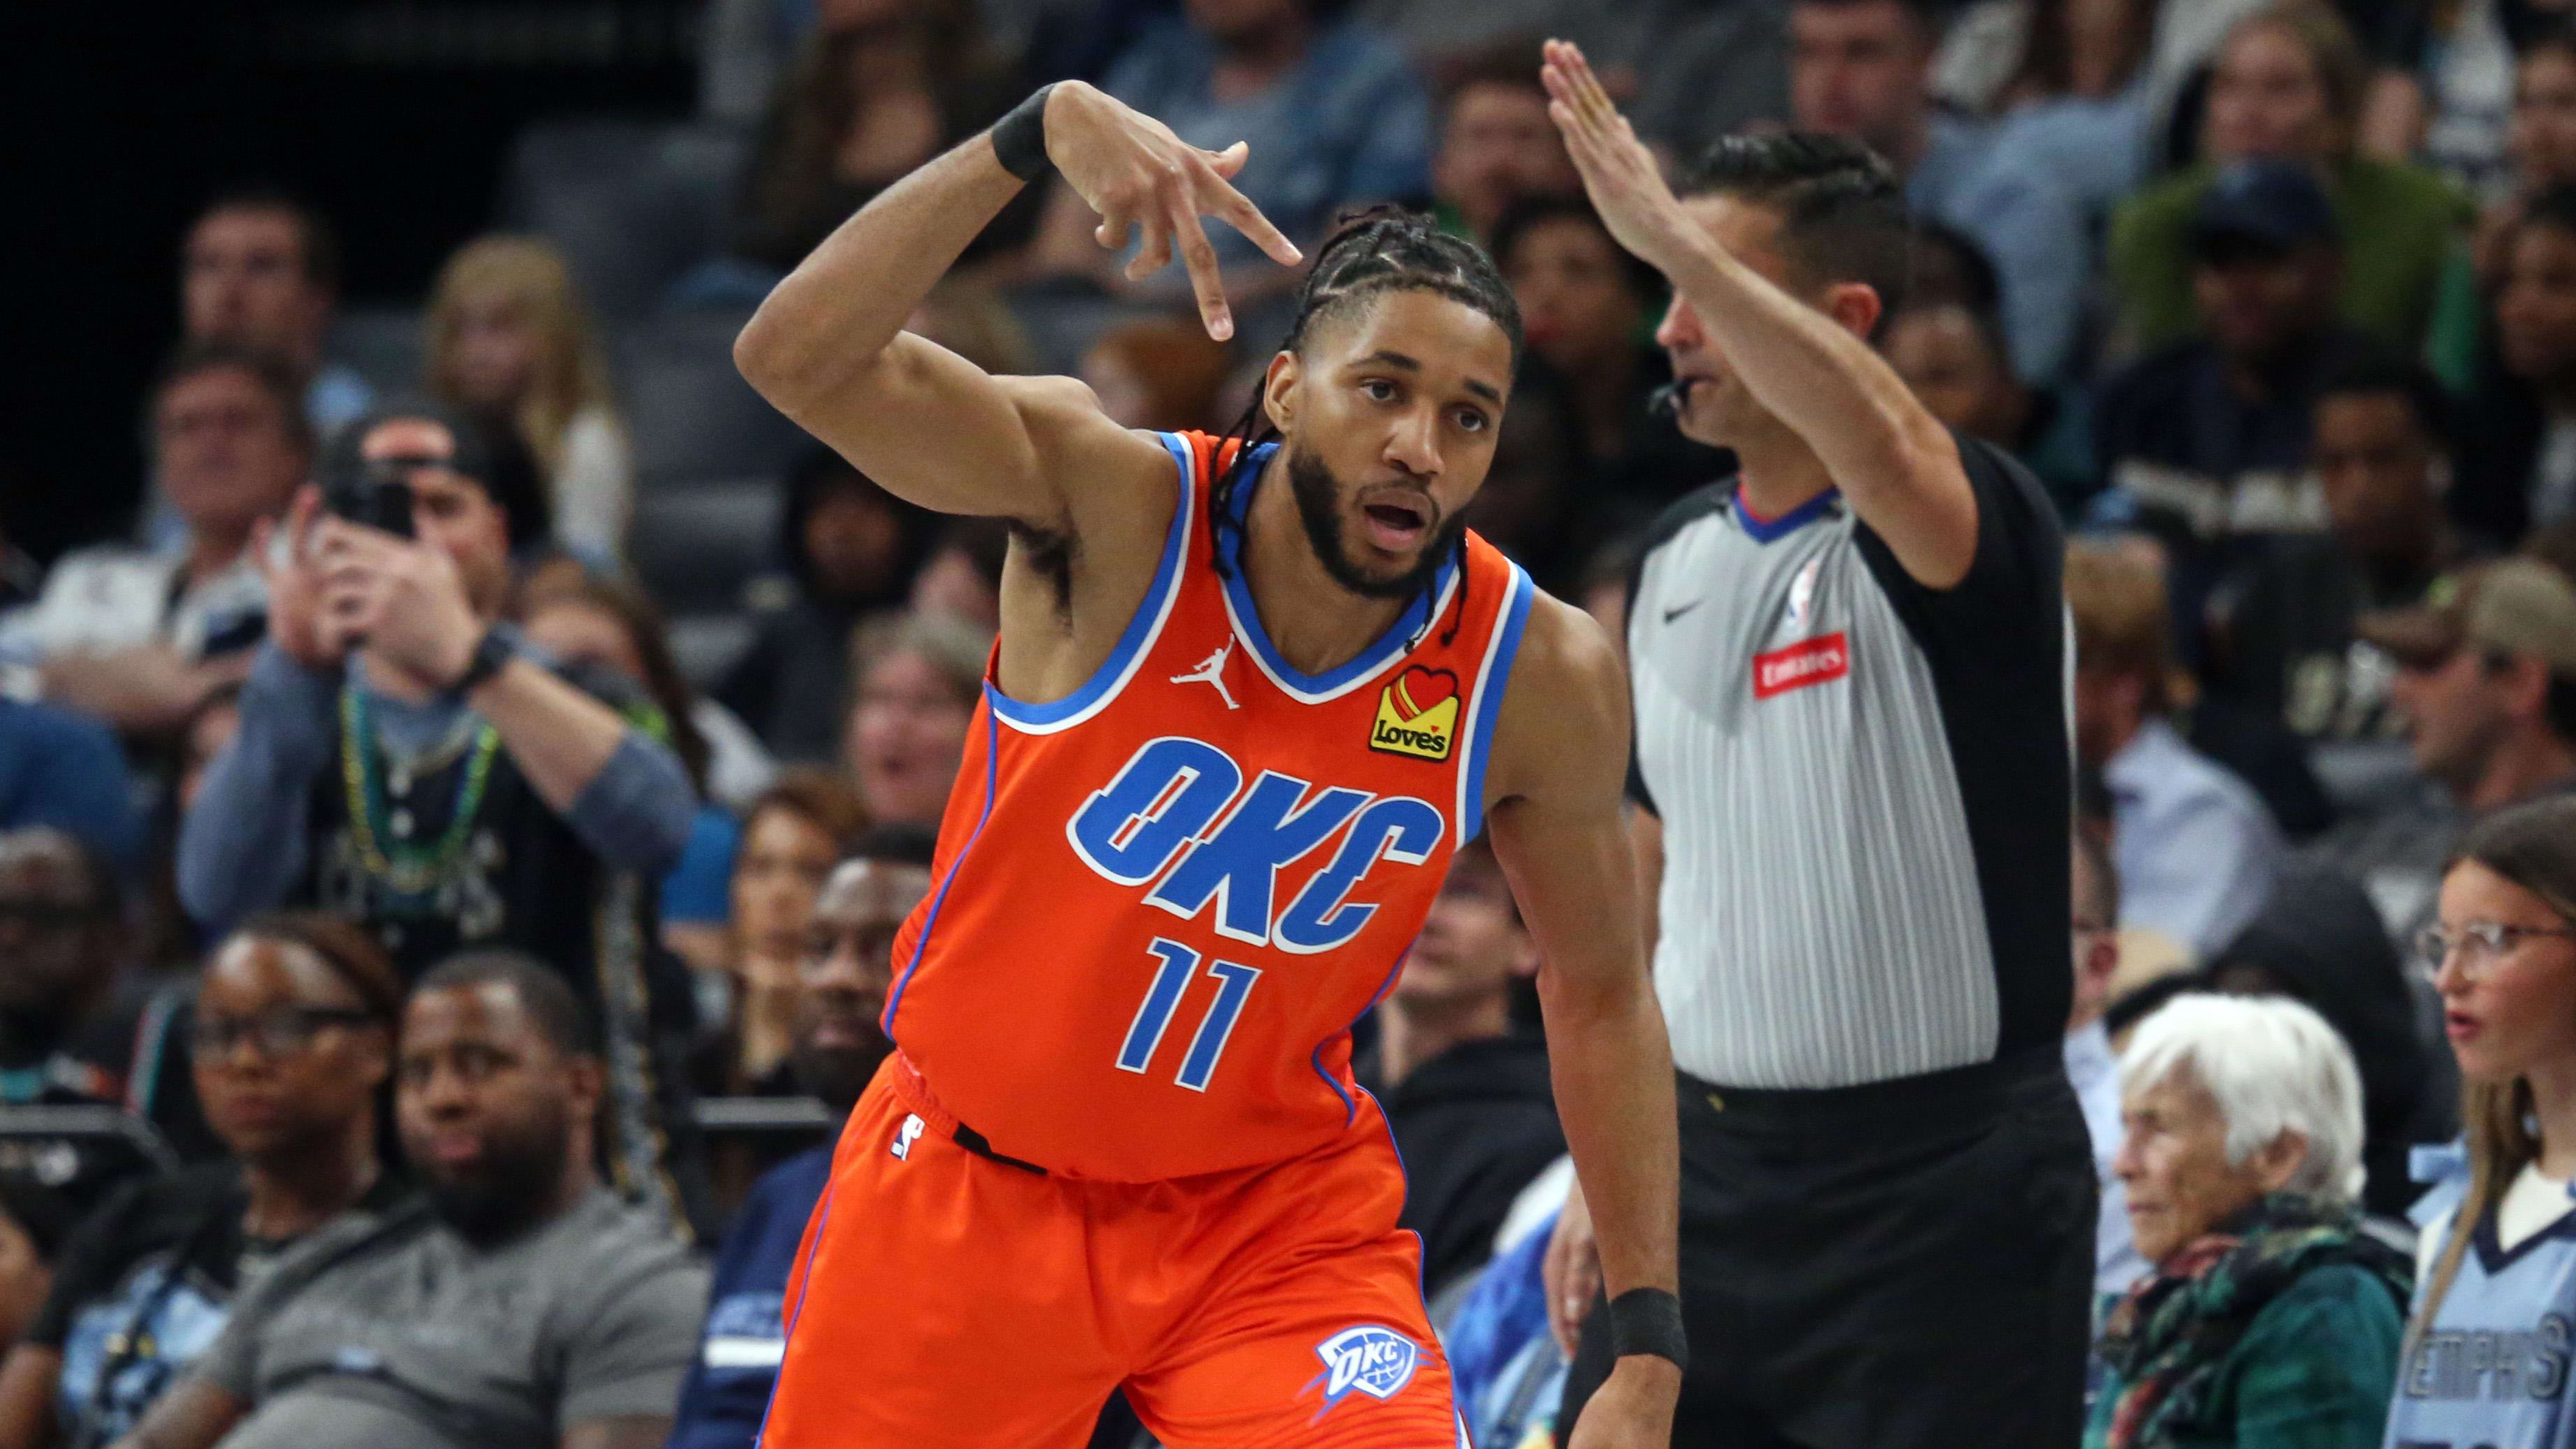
(1163, 900)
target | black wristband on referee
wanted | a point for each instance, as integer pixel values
(1019, 139)
(1649, 1320)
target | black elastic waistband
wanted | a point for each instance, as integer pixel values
(974, 1141)
(1950, 1095)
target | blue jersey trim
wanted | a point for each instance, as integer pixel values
(1769, 530)
(1395, 643)
(1489, 706)
(1142, 626)
(992, 771)
(804, 1283)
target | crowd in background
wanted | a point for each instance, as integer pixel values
(2278, 300)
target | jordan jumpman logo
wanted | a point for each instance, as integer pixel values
(1211, 670)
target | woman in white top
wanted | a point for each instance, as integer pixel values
(2487, 1351)
(510, 340)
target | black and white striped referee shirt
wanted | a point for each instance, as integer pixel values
(1865, 787)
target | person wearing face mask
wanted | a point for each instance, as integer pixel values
(291, 1044)
(2486, 1359)
(842, 977)
(2271, 1319)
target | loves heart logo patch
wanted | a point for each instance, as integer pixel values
(1417, 715)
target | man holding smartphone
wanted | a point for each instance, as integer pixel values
(404, 760)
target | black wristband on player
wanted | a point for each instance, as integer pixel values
(492, 653)
(1019, 139)
(1649, 1320)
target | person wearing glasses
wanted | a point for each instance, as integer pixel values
(291, 1046)
(2487, 1351)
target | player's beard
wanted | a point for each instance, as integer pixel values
(1319, 507)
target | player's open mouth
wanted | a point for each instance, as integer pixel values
(1396, 527)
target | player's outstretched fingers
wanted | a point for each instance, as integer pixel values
(1205, 277)
(1243, 216)
(1155, 254)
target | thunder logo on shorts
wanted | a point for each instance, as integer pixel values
(1369, 1359)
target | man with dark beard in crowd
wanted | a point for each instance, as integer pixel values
(522, 1306)
(841, 992)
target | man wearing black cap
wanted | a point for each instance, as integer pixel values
(2205, 443)
(403, 760)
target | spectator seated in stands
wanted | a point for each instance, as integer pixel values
(2518, 465)
(261, 271)
(918, 680)
(2273, 1318)
(1158, 373)
(292, 1048)
(2486, 681)
(2079, 104)
(521, 1305)
(2204, 444)
(2195, 848)
(65, 770)
(510, 343)
(1956, 360)
(34, 1221)
(2319, 942)
(1862, 68)
(2092, 1066)
(2287, 87)
(850, 549)
(2281, 636)
(791, 836)
(1466, 1095)
(843, 972)
(140, 637)
(439, 784)
(1332, 115)
(1588, 310)
(880, 87)
(1497, 146)
(2539, 138)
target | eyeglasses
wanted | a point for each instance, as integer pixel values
(2479, 944)
(284, 1032)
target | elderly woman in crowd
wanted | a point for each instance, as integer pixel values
(2271, 1320)
(2487, 1350)
(919, 677)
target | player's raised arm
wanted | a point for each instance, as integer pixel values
(1810, 368)
(828, 348)
(1560, 764)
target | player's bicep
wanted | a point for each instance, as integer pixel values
(935, 429)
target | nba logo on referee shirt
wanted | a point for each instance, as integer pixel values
(1417, 715)
(1370, 1359)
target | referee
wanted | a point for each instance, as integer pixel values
(1849, 669)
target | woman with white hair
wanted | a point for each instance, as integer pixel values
(2487, 1354)
(2272, 1319)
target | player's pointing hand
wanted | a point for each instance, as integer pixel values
(1618, 172)
(1132, 170)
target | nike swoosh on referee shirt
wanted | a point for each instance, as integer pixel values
(1678, 610)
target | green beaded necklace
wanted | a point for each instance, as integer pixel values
(409, 869)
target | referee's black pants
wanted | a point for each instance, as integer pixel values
(1901, 1265)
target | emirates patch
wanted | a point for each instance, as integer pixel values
(1809, 661)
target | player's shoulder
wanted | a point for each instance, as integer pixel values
(1567, 675)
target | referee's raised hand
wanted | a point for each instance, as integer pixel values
(1619, 173)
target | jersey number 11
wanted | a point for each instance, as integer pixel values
(1180, 963)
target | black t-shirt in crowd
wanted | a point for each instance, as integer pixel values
(144, 1286)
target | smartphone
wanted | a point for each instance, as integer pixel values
(377, 495)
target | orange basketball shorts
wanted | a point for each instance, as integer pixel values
(946, 1300)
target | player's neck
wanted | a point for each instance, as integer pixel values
(1778, 474)
(1316, 624)
(1411, 1033)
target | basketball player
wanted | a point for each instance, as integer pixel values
(1250, 694)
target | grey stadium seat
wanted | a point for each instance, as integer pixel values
(632, 204)
(690, 413)
(694, 545)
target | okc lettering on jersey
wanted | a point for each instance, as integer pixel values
(1165, 821)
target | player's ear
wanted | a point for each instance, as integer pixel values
(1279, 389)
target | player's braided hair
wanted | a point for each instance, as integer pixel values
(1370, 253)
